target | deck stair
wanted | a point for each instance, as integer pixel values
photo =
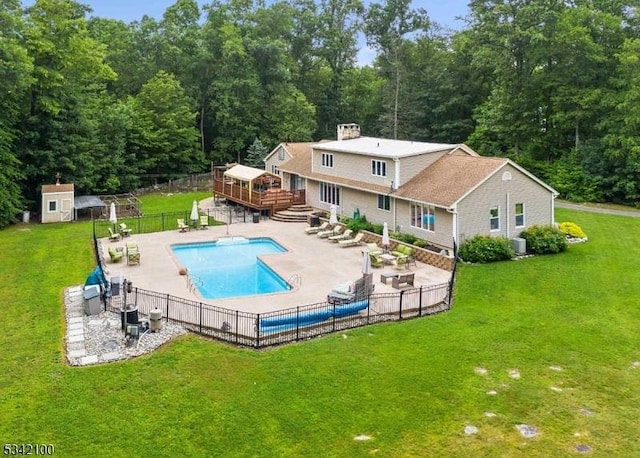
(293, 214)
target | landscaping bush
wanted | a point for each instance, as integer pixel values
(484, 248)
(544, 240)
(358, 224)
(420, 243)
(377, 228)
(572, 230)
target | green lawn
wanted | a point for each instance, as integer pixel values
(411, 386)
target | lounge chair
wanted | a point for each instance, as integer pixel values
(314, 230)
(124, 230)
(181, 225)
(116, 256)
(113, 237)
(328, 233)
(133, 253)
(373, 248)
(357, 240)
(204, 221)
(344, 236)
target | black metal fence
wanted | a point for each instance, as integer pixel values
(160, 222)
(259, 330)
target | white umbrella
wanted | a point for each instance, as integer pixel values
(333, 219)
(194, 211)
(385, 235)
(366, 263)
(113, 219)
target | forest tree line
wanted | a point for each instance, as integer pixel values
(113, 106)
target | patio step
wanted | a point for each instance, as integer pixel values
(295, 214)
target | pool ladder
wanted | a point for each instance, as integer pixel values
(295, 278)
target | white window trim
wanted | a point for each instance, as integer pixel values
(516, 215)
(326, 160)
(55, 210)
(430, 210)
(497, 207)
(377, 164)
(335, 193)
(383, 197)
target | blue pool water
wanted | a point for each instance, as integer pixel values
(230, 267)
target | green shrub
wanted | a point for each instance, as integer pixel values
(420, 243)
(544, 240)
(484, 248)
(358, 224)
(572, 230)
(377, 228)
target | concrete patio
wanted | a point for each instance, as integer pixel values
(313, 266)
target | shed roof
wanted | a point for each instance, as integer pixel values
(52, 188)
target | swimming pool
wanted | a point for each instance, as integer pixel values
(230, 267)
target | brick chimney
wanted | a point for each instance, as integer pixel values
(348, 131)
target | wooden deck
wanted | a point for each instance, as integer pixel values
(271, 200)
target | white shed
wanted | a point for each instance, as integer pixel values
(57, 203)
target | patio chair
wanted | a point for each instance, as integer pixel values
(352, 291)
(357, 240)
(314, 230)
(113, 237)
(373, 248)
(331, 232)
(181, 225)
(124, 230)
(344, 236)
(116, 256)
(133, 253)
(204, 221)
(376, 261)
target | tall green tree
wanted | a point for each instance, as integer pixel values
(256, 154)
(166, 138)
(15, 79)
(69, 73)
(387, 28)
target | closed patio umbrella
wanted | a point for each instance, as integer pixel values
(366, 263)
(333, 219)
(113, 218)
(194, 212)
(385, 236)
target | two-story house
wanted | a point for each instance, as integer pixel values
(437, 192)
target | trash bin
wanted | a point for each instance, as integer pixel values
(155, 320)
(91, 295)
(256, 217)
(25, 216)
(314, 220)
(116, 285)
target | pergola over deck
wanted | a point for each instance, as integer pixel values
(254, 188)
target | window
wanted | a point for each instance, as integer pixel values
(384, 202)
(329, 193)
(275, 170)
(281, 154)
(53, 205)
(327, 160)
(494, 218)
(423, 217)
(519, 215)
(379, 168)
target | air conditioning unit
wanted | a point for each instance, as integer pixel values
(519, 245)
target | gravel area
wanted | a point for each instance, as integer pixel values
(95, 339)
